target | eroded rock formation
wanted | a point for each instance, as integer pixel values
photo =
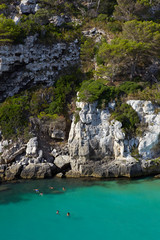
(29, 64)
(97, 147)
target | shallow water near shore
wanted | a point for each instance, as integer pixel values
(118, 209)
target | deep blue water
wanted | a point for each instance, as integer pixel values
(118, 209)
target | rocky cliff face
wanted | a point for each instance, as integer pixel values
(29, 64)
(97, 147)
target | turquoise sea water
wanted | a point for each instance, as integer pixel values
(118, 209)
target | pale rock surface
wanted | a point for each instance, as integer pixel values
(61, 160)
(149, 142)
(16, 19)
(94, 137)
(32, 147)
(12, 152)
(41, 170)
(28, 6)
(98, 147)
(59, 20)
(58, 134)
(13, 172)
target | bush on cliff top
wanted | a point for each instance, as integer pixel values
(92, 91)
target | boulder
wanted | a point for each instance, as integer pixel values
(58, 134)
(13, 172)
(29, 171)
(32, 147)
(10, 154)
(28, 6)
(41, 170)
(60, 175)
(62, 160)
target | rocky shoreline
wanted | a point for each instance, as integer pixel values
(96, 147)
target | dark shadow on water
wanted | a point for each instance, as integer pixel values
(17, 191)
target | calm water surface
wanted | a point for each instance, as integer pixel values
(118, 209)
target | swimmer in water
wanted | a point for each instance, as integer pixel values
(41, 194)
(57, 212)
(36, 190)
(63, 189)
(68, 214)
(51, 187)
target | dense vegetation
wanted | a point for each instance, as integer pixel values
(123, 62)
(43, 103)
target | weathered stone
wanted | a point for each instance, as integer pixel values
(60, 175)
(95, 138)
(150, 140)
(29, 171)
(157, 176)
(13, 172)
(59, 20)
(61, 160)
(10, 154)
(41, 170)
(32, 147)
(28, 6)
(58, 134)
(29, 64)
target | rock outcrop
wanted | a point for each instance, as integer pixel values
(97, 147)
(26, 161)
(41, 170)
(94, 137)
(28, 7)
(29, 64)
(149, 142)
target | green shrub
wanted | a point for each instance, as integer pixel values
(129, 87)
(92, 91)
(14, 116)
(127, 116)
(65, 88)
(9, 31)
(3, 6)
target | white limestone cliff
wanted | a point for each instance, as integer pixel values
(95, 142)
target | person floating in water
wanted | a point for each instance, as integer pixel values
(51, 187)
(63, 189)
(68, 214)
(57, 212)
(36, 190)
